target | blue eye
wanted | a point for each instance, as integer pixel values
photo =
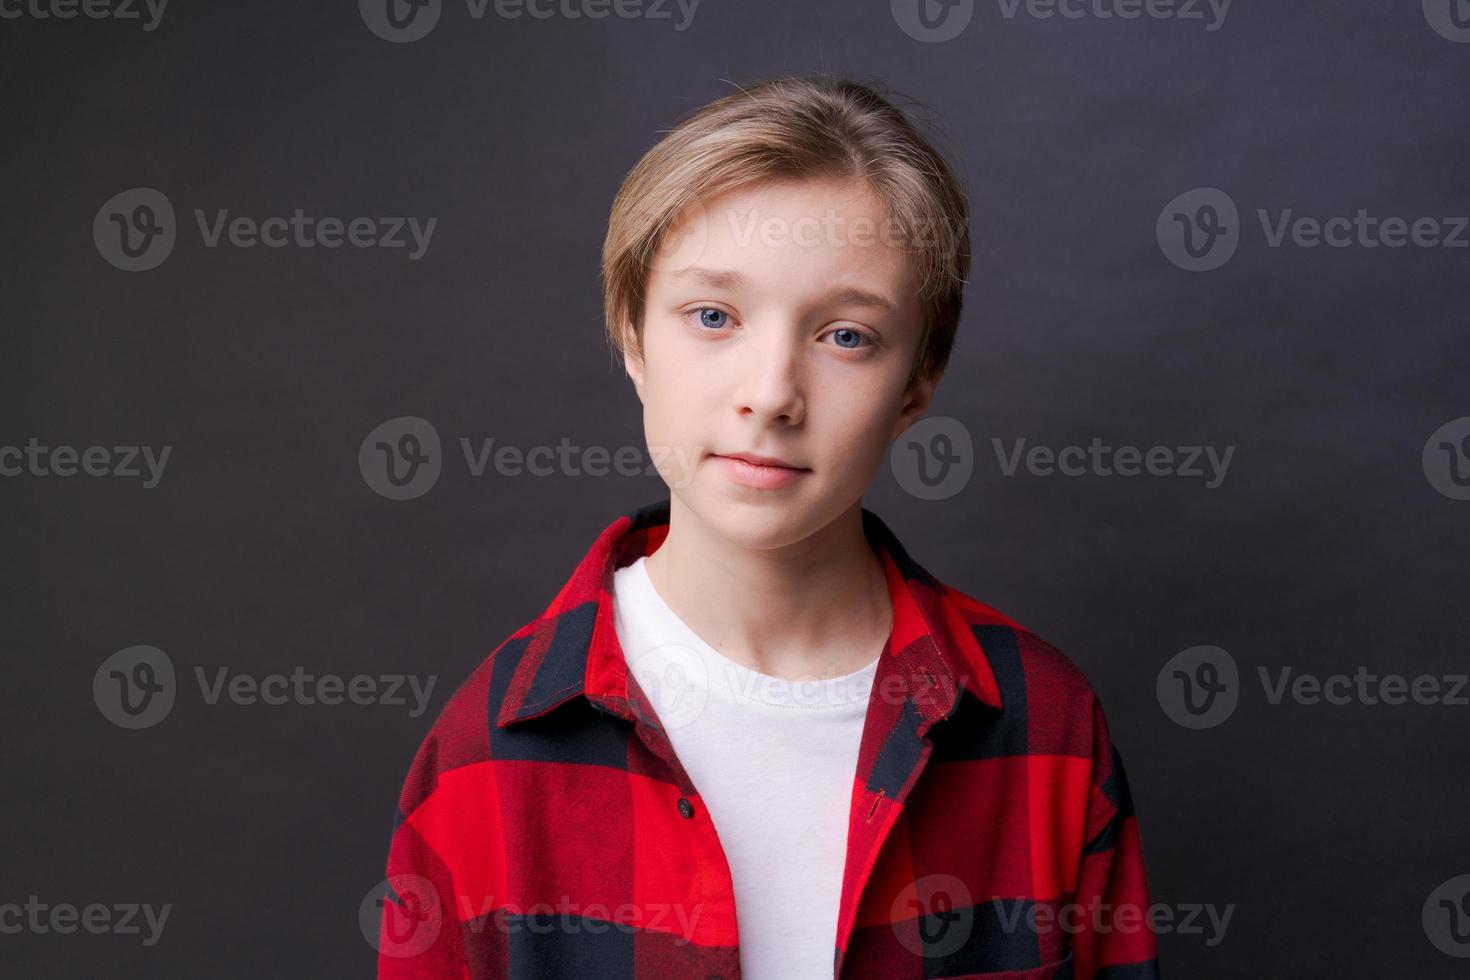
(707, 312)
(844, 335)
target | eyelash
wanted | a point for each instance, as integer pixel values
(873, 343)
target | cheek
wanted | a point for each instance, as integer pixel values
(676, 384)
(672, 402)
(666, 387)
(856, 436)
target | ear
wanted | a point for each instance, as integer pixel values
(633, 364)
(916, 403)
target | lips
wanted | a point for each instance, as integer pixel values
(759, 472)
(755, 460)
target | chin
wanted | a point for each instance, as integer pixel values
(755, 519)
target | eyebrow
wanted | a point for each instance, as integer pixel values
(732, 280)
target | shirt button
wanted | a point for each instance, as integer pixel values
(686, 809)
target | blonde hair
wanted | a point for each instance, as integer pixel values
(784, 128)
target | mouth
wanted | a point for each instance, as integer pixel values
(759, 472)
(769, 462)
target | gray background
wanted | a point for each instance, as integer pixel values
(263, 548)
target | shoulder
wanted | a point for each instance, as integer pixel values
(1042, 688)
(1045, 667)
(460, 734)
(1050, 714)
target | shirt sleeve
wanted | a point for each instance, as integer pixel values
(1114, 938)
(419, 935)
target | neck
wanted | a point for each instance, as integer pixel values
(811, 609)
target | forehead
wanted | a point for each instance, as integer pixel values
(795, 234)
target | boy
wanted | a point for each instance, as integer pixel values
(751, 737)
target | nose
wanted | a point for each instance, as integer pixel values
(771, 385)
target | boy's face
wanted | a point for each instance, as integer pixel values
(781, 320)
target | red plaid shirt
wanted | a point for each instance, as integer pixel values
(546, 828)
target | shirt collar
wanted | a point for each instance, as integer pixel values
(573, 649)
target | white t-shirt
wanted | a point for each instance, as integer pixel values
(774, 762)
